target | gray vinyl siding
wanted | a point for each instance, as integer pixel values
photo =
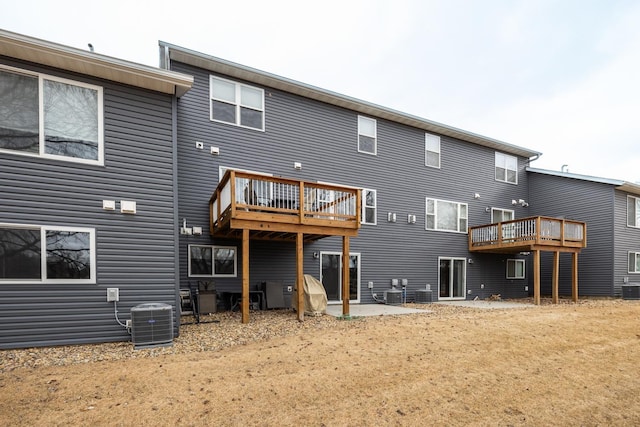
(324, 139)
(627, 239)
(135, 253)
(582, 200)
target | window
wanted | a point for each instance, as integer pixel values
(432, 150)
(46, 116)
(367, 135)
(369, 209)
(236, 103)
(446, 216)
(634, 262)
(33, 254)
(515, 269)
(212, 261)
(501, 215)
(506, 168)
(633, 211)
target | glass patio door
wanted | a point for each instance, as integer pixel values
(331, 276)
(452, 278)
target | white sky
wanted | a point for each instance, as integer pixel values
(557, 76)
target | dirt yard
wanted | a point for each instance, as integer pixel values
(570, 364)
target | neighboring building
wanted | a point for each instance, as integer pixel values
(87, 191)
(611, 209)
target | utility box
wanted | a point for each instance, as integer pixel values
(631, 291)
(207, 302)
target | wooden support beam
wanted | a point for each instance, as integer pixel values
(555, 279)
(345, 276)
(245, 276)
(536, 277)
(300, 275)
(574, 277)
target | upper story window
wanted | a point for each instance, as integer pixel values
(42, 115)
(506, 168)
(515, 268)
(633, 211)
(501, 215)
(446, 216)
(236, 103)
(432, 150)
(212, 261)
(369, 206)
(367, 135)
(34, 254)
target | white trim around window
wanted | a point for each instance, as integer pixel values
(432, 150)
(34, 254)
(444, 215)
(367, 135)
(501, 215)
(236, 103)
(369, 206)
(634, 262)
(51, 117)
(506, 168)
(515, 269)
(633, 211)
(212, 261)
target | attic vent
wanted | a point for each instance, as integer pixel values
(151, 325)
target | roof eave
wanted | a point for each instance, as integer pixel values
(39, 51)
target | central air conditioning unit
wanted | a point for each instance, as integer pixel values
(151, 325)
(393, 297)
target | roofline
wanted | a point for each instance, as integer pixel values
(232, 69)
(621, 185)
(67, 58)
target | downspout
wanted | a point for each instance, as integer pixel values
(176, 235)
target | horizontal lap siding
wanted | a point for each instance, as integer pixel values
(627, 239)
(580, 200)
(324, 139)
(134, 253)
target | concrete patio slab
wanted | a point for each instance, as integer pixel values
(356, 310)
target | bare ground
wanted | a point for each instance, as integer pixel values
(570, 364)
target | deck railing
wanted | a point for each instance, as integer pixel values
(528, 231)
(253, 196)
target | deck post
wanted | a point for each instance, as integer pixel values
(345, 276)
(574, 276)
(536, 277)
(300, 276)
(555, 279)
(245, 276)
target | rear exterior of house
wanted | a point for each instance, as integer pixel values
(610, 207)
(422, 185)
(87, 192)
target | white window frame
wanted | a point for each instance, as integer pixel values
(502, 161)
(636, 256)
(237, 103)
(464, 287)
(434, 214)
(364, 207)
(636, 207)
(358, 256)
(41, 139)
(502, 211)
(213, 261)
(43, 260)
(516, 261)
(374, 136)
(430, 139)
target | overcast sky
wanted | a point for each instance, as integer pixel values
(560, 77)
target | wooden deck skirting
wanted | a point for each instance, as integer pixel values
(251, 206)
(534, 234)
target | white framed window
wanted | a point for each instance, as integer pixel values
(515, 268)
(369, 206)
(443, 215)
(367, 135)
(45, 254)
(634, 262)
(47, 116)
(501, 215)
(506, 168)
(633, 211)
(212, 261)
(432, 150)
(236, 103)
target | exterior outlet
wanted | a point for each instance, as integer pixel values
(526, 288)
(113, 294)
